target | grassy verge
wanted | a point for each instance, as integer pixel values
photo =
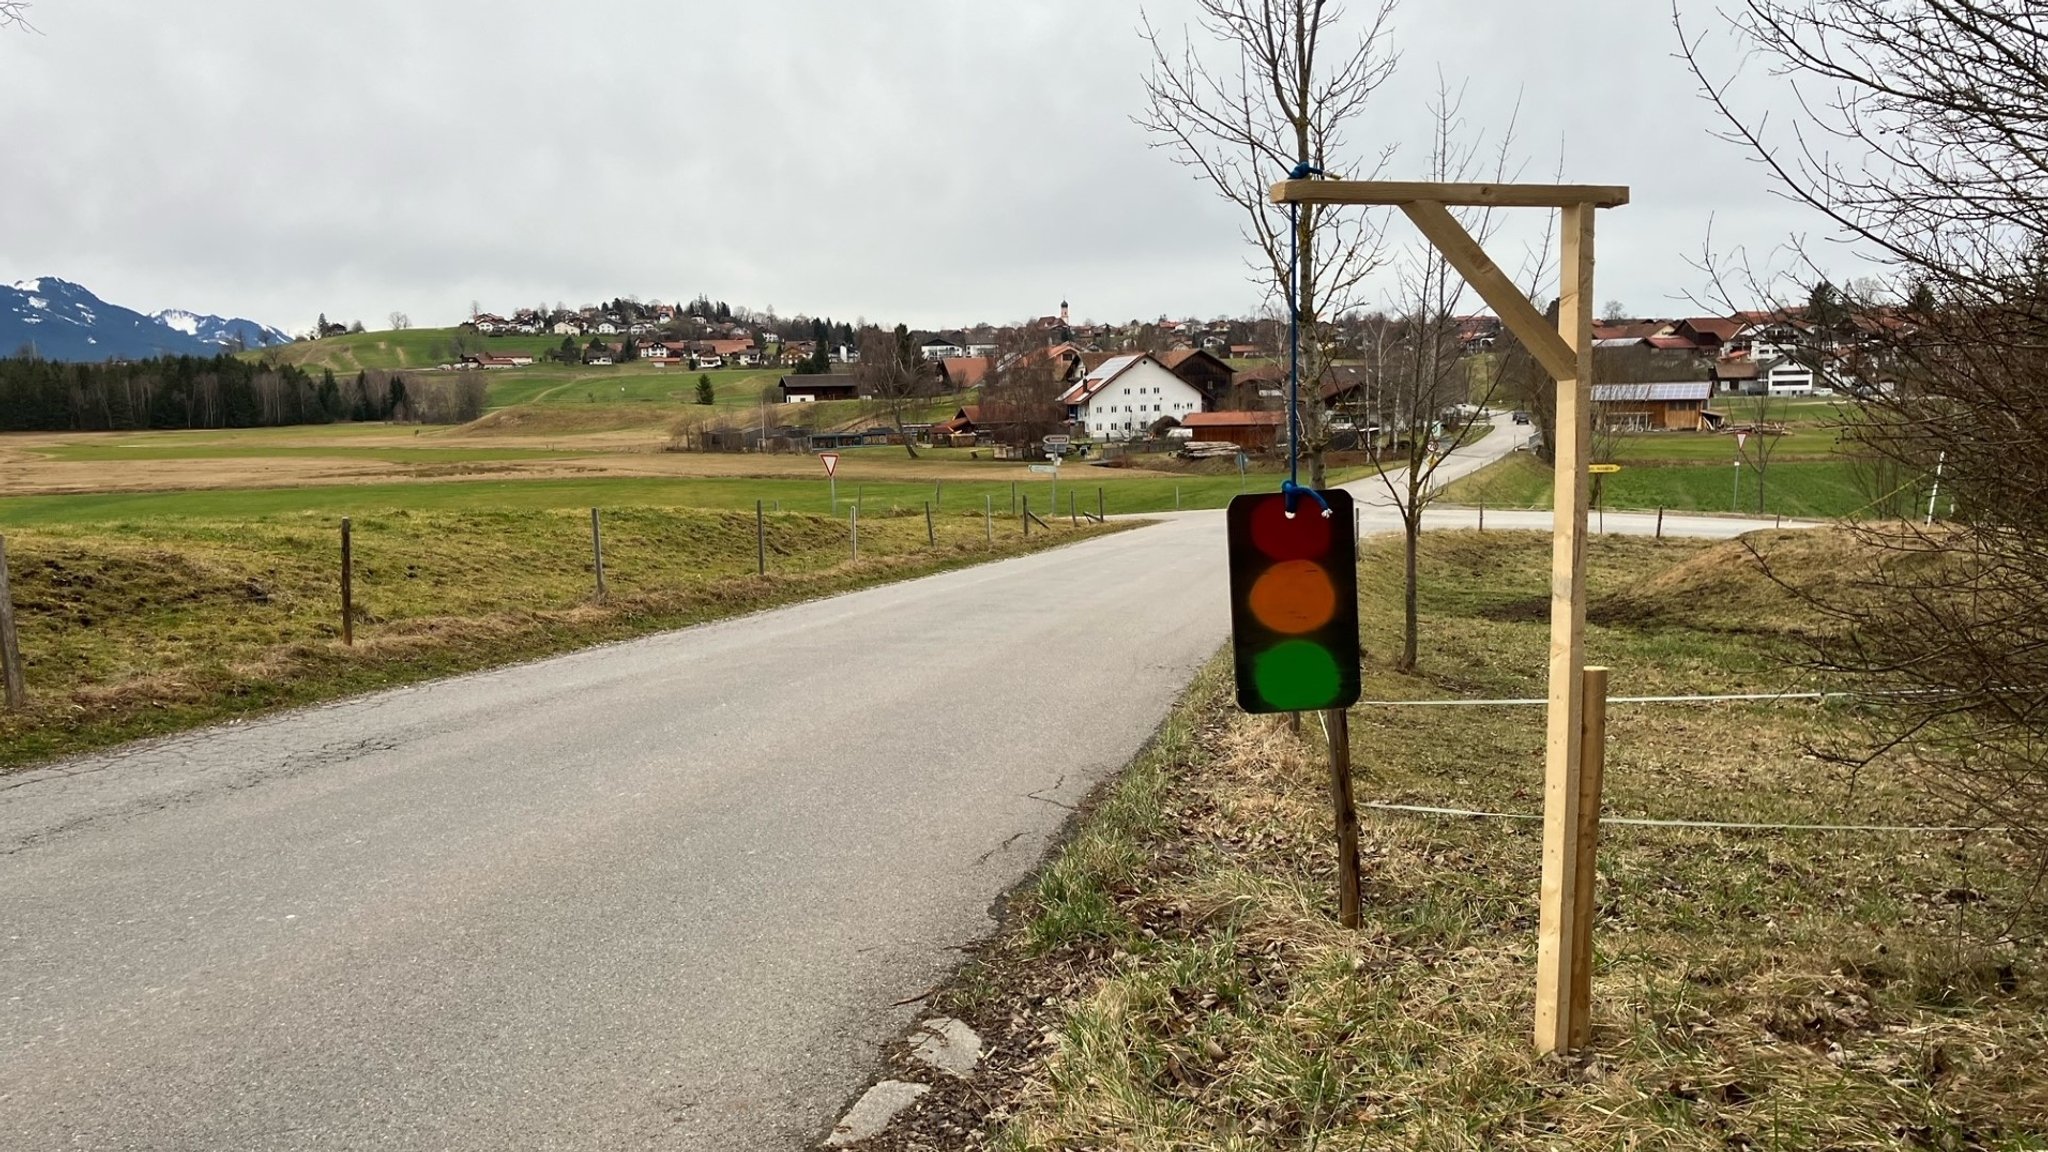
(1176, 980)
(1822, 488)
(136, 628)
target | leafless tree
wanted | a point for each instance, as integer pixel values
(14, 14)
(1020, 398)
(892, 372)
(400, 321)
(1922, 141)
(1287, 82)
(1428, 376)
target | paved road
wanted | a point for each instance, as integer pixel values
(655, 895)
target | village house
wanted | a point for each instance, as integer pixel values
(809, 389)
(1209, 375)
(1125, 396)
(963, 372)
(941, 348)
(1673, 406)
(1251, 431)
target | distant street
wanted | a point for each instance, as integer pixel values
(657, 895)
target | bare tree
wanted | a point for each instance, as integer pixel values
(1922, 142)
(400, 321)
(1290, 83)
(14, 14)
(1020, 398)
(893, 373)
(1428, 376)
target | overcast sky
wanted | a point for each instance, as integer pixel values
(929, 161)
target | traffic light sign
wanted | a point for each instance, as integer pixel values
(1294, 602)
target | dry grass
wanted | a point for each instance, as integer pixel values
(140, 628)
(1177, 981)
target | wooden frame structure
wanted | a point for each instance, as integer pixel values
(1564, 951)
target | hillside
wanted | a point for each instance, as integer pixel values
(412, 348)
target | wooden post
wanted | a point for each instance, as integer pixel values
(1027, 513)
(1556, 967)
(1101, 508)
(1013, 497)
(1346, 809)
(1660, 521)
(1592, 767)
(348, 594)
(1073, 510)
(760, 539)
(11, 674)
(1482, 516)
(931, 533)
(597, 551)
(854, 520)
(988, 517)
(939, 493)
(1176, 497)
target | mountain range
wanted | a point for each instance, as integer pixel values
(60, 320)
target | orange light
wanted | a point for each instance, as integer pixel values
(1294, 597)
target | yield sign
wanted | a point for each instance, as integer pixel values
(1741, 438)
(831, 460)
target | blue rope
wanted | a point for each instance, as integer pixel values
(1292, 488)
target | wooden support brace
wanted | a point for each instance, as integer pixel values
(1500, 293)
(1405, 192)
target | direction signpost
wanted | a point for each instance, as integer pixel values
(831, 460)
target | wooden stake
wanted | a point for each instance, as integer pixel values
(1346, 809)
(1101, 507)
(931, 533)
(1073, 510)
(1027, 511)
(1592, 767)
(854, 520)
(1482, 516)
(1660, 521)
(11, 673)
(1556, 970)
(348, 592)
(597, 551)
(988, 517)
(760, 539)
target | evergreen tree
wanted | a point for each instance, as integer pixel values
(705, 393)
(820, 362)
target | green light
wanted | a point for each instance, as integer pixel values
(1297, 676)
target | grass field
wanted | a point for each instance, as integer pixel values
(160, 622)
(1824, 488)
(1176, 979)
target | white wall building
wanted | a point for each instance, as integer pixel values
(1127, 395)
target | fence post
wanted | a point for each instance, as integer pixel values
(1660, 521)
(760, 540)
(1101, 508)
(1027, 514)
(348, 595)
(1176, 497)
(1073, 510)
(1338, 722)
(1013, 498)
(988, 517)
(939, 493)
(597, 551)
(1592, 765)
(931, 534)
(854, 520)
(10, 643)
(1482, 516)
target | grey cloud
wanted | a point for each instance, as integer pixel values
(935, 161)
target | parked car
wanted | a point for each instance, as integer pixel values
(1521, 417)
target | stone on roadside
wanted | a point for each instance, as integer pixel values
(947, 1045)
(873, 1111)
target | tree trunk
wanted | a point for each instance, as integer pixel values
(1318, 472)
(1411, 625)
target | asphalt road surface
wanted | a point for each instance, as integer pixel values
(657, 895)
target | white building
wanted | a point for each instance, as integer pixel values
(1127, 395)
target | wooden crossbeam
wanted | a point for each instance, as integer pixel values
(1494, 287)
(1460, 195)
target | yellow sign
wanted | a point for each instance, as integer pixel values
(1603, 469)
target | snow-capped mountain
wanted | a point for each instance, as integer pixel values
(228, 333)
(63, 321)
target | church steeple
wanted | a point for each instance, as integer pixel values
(1063, 311)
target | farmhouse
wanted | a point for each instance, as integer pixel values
(1126, 395)
(962, 372)
(807, 389)
(1676, 406)
(1209, 375)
